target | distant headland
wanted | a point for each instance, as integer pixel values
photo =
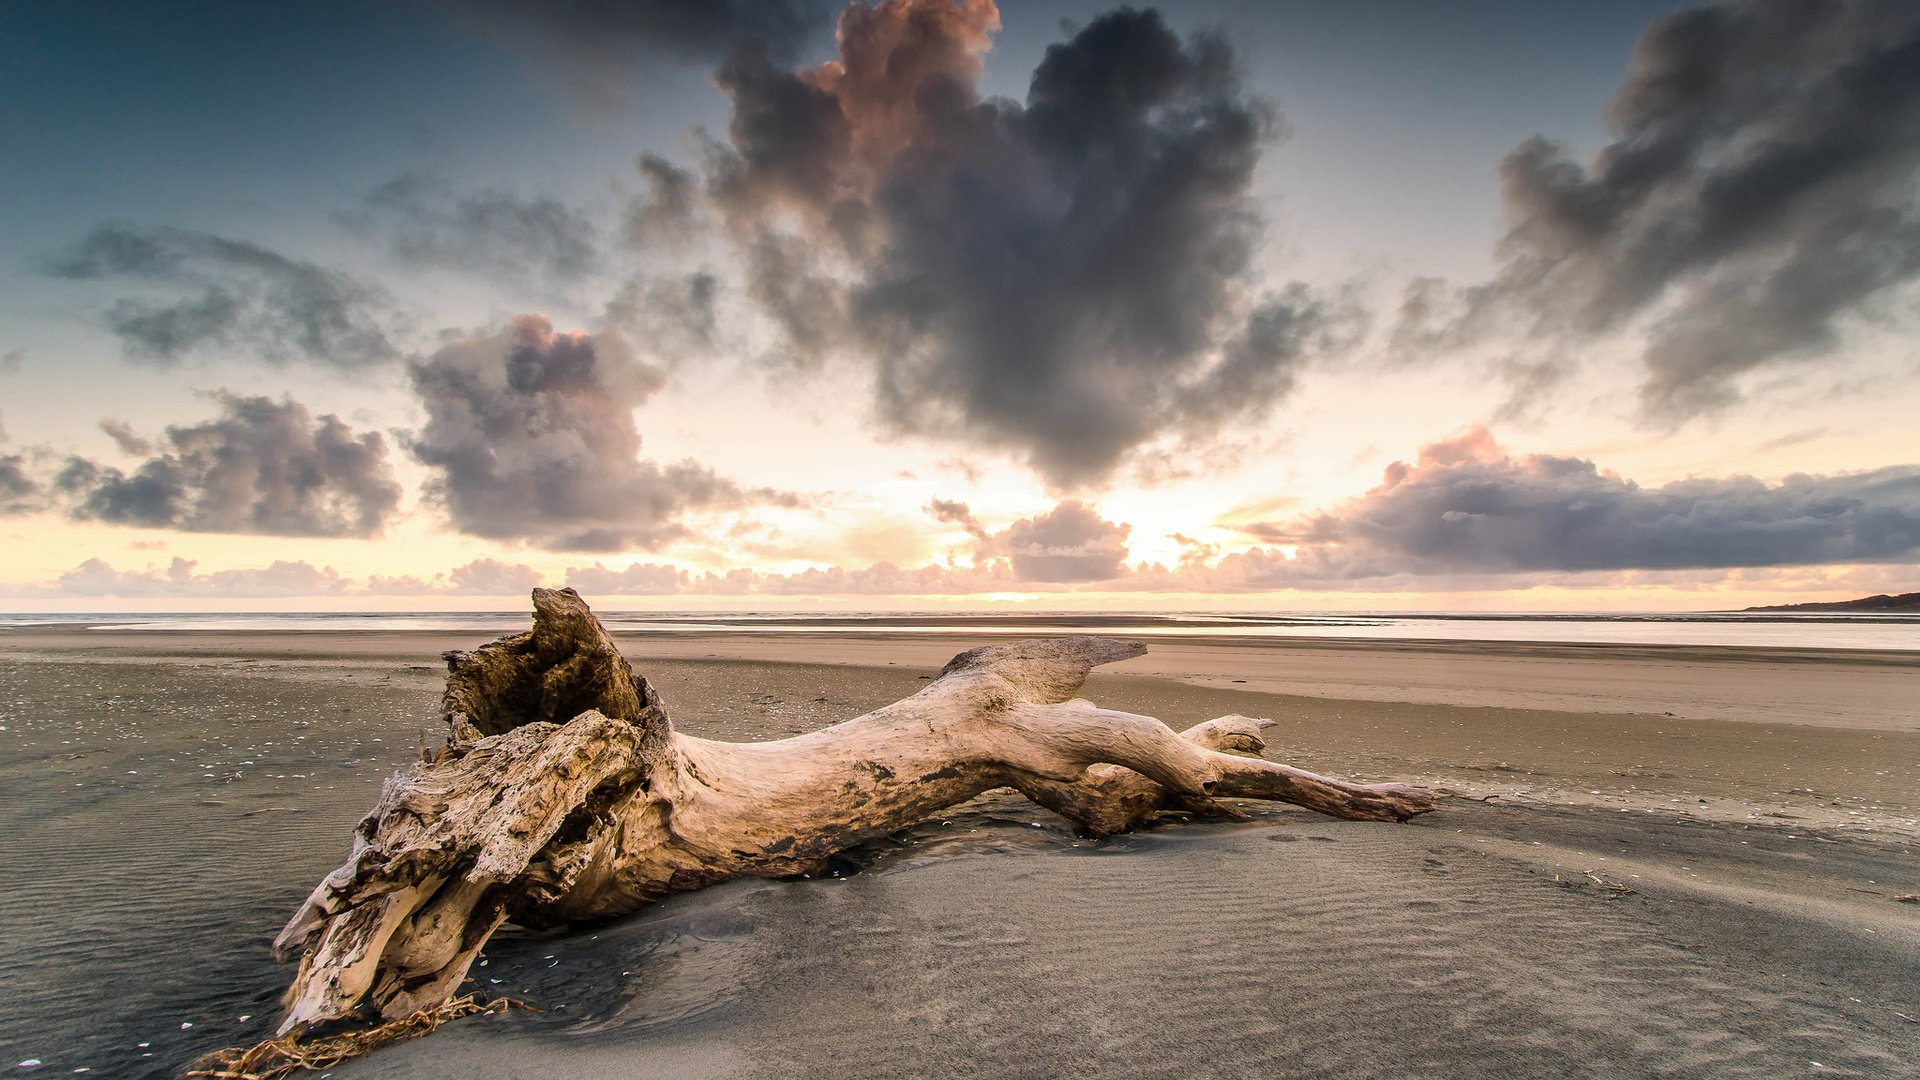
(1903, 602)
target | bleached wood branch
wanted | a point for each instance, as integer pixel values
(563, 794)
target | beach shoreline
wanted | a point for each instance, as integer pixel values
(1712, 732)
(1615, 877)
(1871, 689)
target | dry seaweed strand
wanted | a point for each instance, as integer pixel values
(285, 1055)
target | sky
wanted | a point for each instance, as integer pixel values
(943, 304)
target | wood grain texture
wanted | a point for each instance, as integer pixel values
(564, 795)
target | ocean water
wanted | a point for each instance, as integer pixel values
(1730, 629)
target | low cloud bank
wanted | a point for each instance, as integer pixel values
(1463, 515)
(181, 578)
(1465, 506)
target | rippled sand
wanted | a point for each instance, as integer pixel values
(165, 805)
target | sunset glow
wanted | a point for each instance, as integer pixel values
(947, 306)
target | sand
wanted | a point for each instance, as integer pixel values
(1706, 893)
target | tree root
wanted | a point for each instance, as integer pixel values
(284, 1055)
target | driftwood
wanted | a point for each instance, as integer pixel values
(563, 795)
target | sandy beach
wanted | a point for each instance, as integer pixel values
(539, 513)
(1687, 862)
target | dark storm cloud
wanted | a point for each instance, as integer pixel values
(1072, 542)
(601, 48)
(1465, 506)
(19, 492)
(1759, 190)
(227, 294)
(1067, 277)
(262, 466)
(532, 435)
(534, 241)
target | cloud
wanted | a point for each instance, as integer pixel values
(676, 316)
(1465, 506)
(538, 241)
(1464, 515)
(481, 577)
(217, 293)
(182, 578)
(949, 512)
(639, 579)
(1793, 438)
(1758, 192)
(1069, 277)
(1256, 570)
(1530, 384)
(1193, 550)
(669, 212)
(602, 50)
(19, 492)
(879, 579)
(532, 437)
(262, 467)
(128, 440)
(965, 468)
(887, 579)
(494, 578)
(1071, 542)
(95, 577)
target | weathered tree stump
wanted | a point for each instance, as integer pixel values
(563, 794)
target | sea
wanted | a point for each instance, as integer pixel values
(1788, 630)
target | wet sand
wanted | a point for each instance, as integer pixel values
(1839, 688)
(1706, 893)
